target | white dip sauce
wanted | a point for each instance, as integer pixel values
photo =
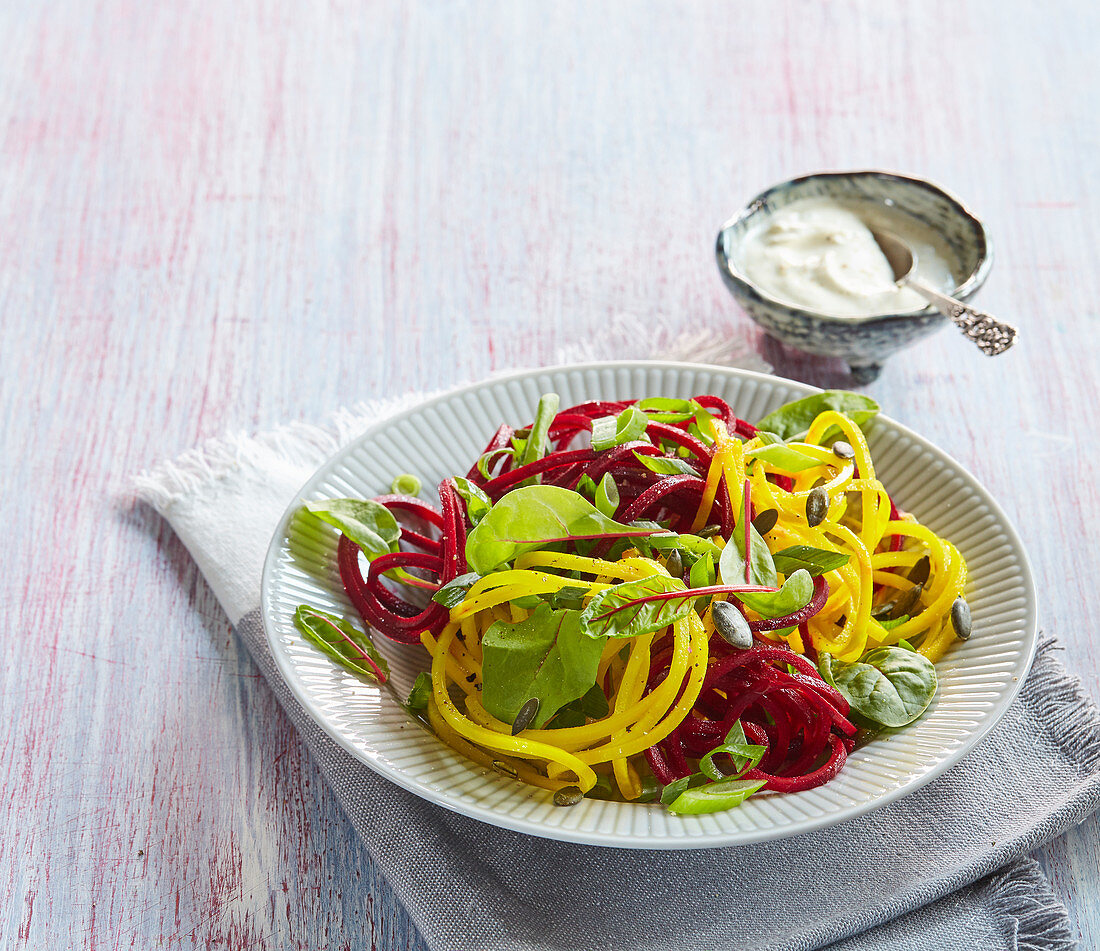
(818, 254)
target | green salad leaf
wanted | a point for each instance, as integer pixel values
(342, 641)
(593, 705)
(782, 456)
(586, 487)
(454, 591)
(795, 594)
(420, 694)
(794, 419)
(731, 564)
(703, 573)
(477, 502)
(548, 656)
(533, 517)
(369, 524)
(615, 611)
(666, 465)
(815, 561)
(889, 686)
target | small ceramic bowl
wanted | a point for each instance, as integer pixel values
(864, 342)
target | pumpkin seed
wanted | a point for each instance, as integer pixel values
(526, 714)
(731, 625)
(919, 573)
(960, 619)
(843, 450)
(817, 506)
(675, 564)
(505, 769)
(881, 612)
(709, 531)
(906, 602)
(568, 796)
(765, 521)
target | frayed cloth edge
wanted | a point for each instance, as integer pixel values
(1033, 916)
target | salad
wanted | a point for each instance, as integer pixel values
(654, 599)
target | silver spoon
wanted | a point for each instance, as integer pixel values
(991, 335)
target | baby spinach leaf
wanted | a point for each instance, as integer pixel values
(420, 694)
(342, 641)
(714, 797)
(794, 419)
(615, 611)
(890, 623)
(536, 516)
(745, 755)
(535, 446)
(731, 565)
(568, 597)
(548, 656)
(454, 591)
(477, 502)
(666, 465)
(816, 561)
(594, 703)
(577, 712)
(889, 686)
(783, 457)
(367, 523)
(793, 596)
(702, 573)
(607, 495)
(609, 431)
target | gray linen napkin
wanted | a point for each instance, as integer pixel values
(941, 868)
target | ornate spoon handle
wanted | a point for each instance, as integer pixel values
(992, 336)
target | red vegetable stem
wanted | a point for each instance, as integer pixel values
(748, 534)
(378, 672)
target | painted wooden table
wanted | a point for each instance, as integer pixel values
(223, 216)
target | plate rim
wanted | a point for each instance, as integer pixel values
(611, 839)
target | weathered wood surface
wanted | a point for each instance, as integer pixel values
(224, 216)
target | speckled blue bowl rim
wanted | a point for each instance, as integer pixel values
(968, 287)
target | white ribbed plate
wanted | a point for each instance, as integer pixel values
(978, 678)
